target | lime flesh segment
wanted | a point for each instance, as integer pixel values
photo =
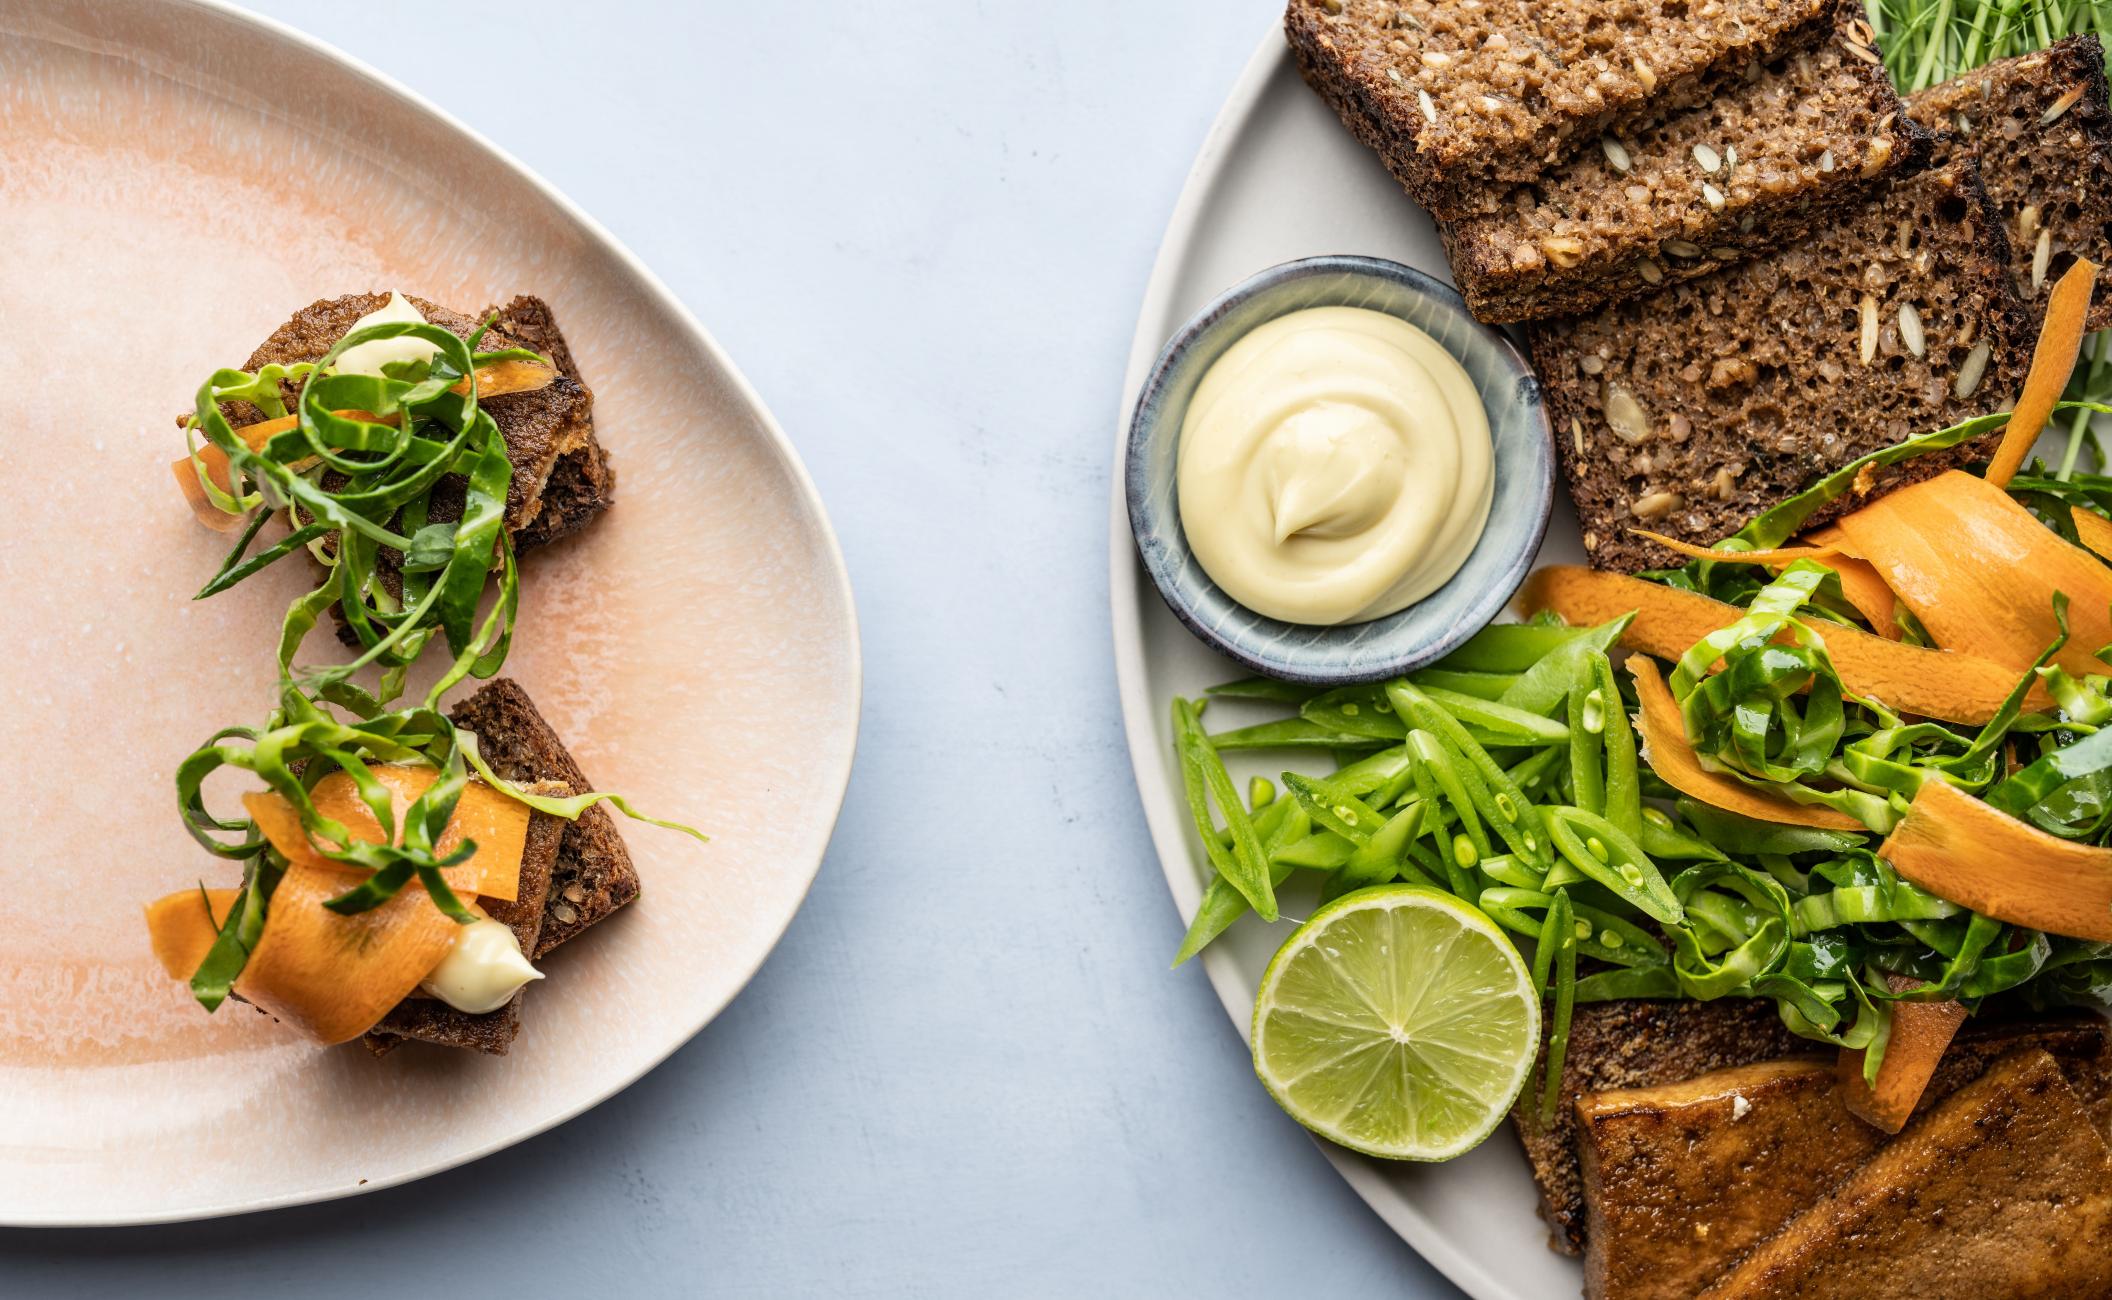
(1399, 1022)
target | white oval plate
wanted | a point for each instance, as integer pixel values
(181, 177)
(1279, 178)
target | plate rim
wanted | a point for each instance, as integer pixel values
(1169, 835)
(601, 241)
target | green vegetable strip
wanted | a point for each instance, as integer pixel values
(1542, 687)
(1606, 854)
(1509, 647)
(1204, 778)
(1334, 808)
(1624, 794)
(1587, 743)
(1512, 814)
(1280, 824)
(1380, 859)
(1438, 776)
(1264, 688)
(1517, 726)
(1291, 733)
(1482, 686)
(1559, 938)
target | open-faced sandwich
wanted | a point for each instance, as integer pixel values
(403, 865)
(1763, 873)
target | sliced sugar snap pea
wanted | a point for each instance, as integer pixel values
(1604, 852)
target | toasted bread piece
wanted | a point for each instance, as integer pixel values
(430, 1020)
(1692, 411)
(1775, 156)
(1636, 1044)
(582, 483)
(584, 872)
(542, 428)
(2040, 127)
(1454, 96)
(594, 875)
(2004, 1189)
(1681, 1180)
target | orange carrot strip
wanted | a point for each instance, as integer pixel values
(1921, 1034)
(1780, 555)
(333, 976)
(183, 931)
(2094, 529)
(502, 378)
(1980, 572)
(1861, 583)
(499, 826)
(254, 436)
(2052, 362)
(1977, 856)
(1666, 749)
(1910, 679)
(1831, 537)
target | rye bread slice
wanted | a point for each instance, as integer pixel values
(1692, 411)
(2041, 129)
(582, 483)
(1779, 154)
(423, 1019)
(594, 875)
(542, 428)
(1454, 95)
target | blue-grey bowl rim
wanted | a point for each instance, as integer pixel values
(1482, 612)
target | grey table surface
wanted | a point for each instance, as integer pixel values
(923, 230)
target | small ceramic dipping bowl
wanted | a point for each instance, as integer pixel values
(1433, 626)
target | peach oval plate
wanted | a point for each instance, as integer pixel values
(697, 647)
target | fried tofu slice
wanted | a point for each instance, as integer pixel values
(1684, 1178)
(2004, 1189)
(1635, 1044)
(1681, 1180)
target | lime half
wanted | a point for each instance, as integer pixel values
(1399, 1022)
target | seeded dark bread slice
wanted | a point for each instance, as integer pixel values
(594, 875)
(2041, 129)
(1692, 411)
(1775, 156)
(429, 1020)
(582, 483)
(543, 429)
(1454, 96)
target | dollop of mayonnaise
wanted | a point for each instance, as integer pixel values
(482, 971)
(368, 358)
(1335, 467)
